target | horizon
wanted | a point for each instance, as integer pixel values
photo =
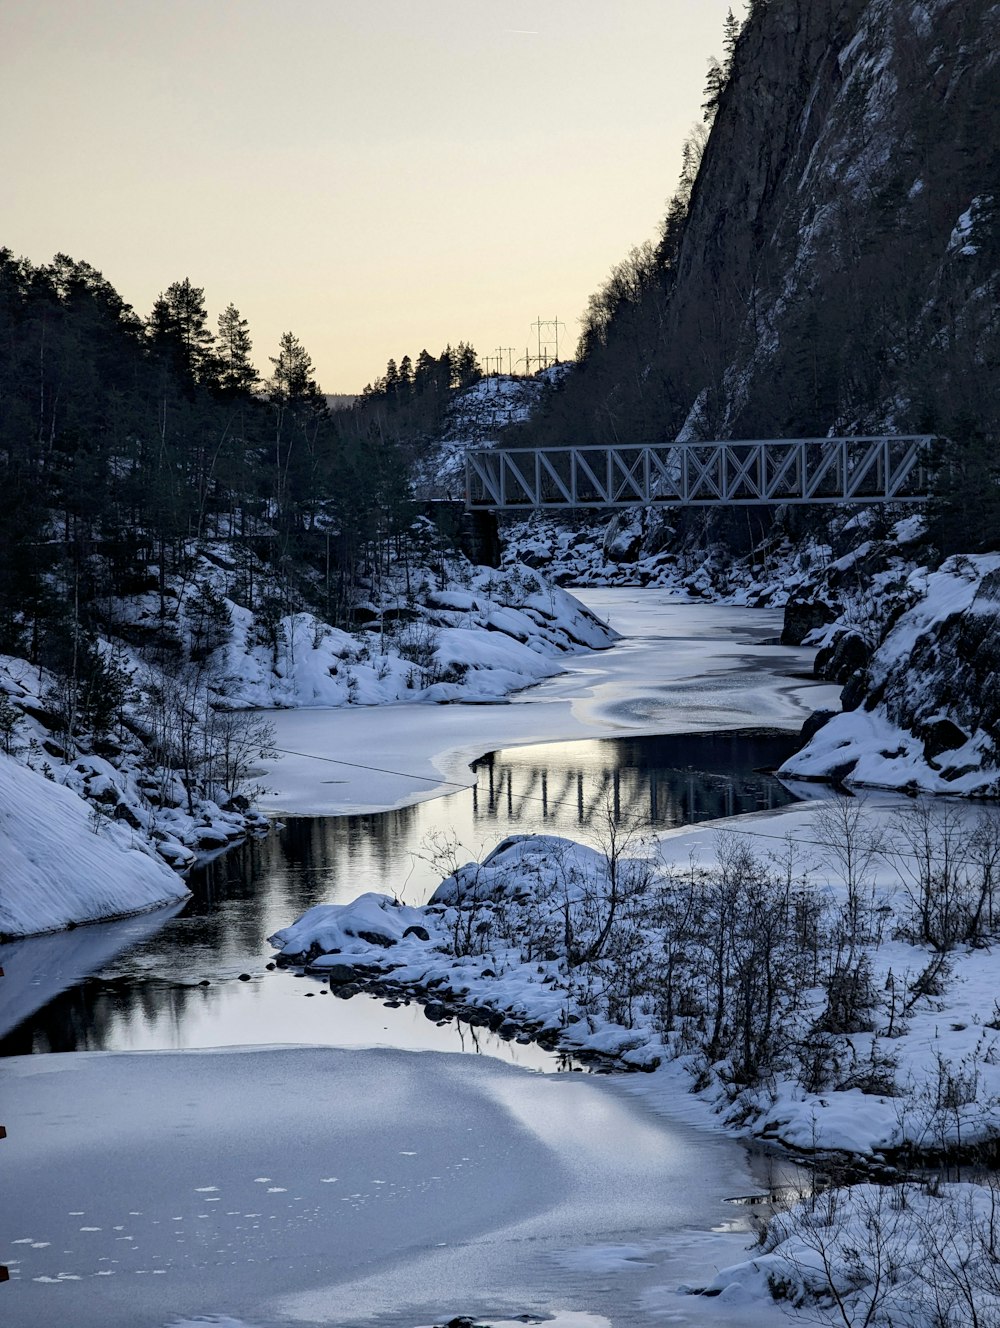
(345, 173)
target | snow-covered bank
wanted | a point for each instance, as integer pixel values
(924, 711)
(923, 1255)
(61, 866)
(463, 1186)
(165, 758)
(476, 635)
(844, 1040)
(639, 547)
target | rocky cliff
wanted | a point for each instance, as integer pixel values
(840, 261)
(836, 264)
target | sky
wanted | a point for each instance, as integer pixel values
(375, 176)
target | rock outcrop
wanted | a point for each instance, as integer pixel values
(925, 712)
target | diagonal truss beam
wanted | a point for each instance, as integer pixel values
(859, 469)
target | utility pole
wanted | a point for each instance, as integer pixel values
(549, 324)
(538, 325)
(556, 325)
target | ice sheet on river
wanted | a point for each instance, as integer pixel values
(398, 1185)
(681, 668)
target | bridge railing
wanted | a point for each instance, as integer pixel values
(863, 469)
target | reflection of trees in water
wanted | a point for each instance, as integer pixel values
(662, 781)
(240, 898)
(85, 1018)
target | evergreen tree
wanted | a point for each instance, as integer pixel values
(236, 372)
(465, 366)
(715, 84)
(292, 379)
(730, 36)
(178, 327)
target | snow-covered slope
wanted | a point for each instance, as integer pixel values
(477, 417)
(59, 865)
(476, 636)
(925, 712)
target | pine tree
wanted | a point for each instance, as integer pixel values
(177, 326)
(730, 36)
(715, 85)
(465, 365)
(292, 378)
(235, 368)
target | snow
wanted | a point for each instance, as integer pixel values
(961, 236)
(501, 631)
(62, 868)
(920, 1255)
(948, 1034)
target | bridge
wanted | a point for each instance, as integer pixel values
(779, 470)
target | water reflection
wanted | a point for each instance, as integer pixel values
(575, 787)
(139, 986)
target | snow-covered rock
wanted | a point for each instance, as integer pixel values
(925, 712)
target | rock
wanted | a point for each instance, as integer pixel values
(817, 720)
(421, 933)
(623, 537)
(801, 617)
(941, 735)
(434, 1011)
(123, 812)
(208, 838)
(376, 938)
(855, 693)
(843, 656)
(340, 973)
(244, 977)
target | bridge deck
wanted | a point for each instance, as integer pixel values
(759, 471)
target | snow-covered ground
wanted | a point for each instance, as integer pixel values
(471, 940)
(487, 634)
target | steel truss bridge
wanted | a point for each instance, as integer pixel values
(779, 470)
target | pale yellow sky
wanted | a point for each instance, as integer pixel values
(375, 176)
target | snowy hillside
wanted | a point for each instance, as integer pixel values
(476, 418)
(61, 865)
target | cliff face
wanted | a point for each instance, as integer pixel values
(839, 267)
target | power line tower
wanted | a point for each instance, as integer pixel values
(549, 326)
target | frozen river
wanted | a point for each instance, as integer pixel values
(386, 1184)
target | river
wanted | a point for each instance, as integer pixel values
(570, 1198)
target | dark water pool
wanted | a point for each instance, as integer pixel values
(178, 978)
